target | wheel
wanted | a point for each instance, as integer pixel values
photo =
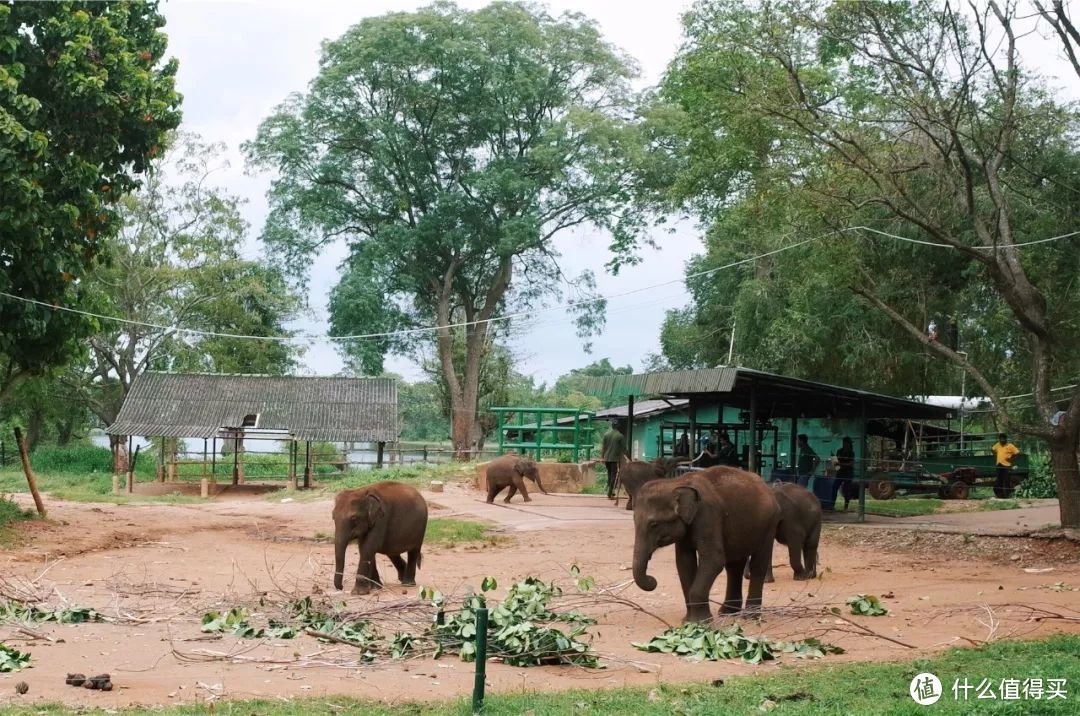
(881, 488)
(959, 490)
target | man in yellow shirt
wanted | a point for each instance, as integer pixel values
(1004, 452)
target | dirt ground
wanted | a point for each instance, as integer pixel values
(158, 568)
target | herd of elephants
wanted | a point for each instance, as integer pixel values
(718, 519)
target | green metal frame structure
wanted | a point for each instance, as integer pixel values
(545, 422)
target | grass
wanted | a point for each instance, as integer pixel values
(419, 475)
(448, 531)
(10, 513)
(866, 688)
(82, 487)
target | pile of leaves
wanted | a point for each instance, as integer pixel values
(866, 605)
(520, 627)
(699, 642)
(11, 611)
(519, 631)
(235, 622)
(11, 659)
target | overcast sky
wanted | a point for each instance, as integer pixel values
(240, 58)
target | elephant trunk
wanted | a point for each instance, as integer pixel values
(642, 553)
(540, 485)
(341, 542)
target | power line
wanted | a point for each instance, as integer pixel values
(519, 314)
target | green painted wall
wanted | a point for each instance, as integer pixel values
(824, 436)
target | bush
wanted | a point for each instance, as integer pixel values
(1040, 480)
(83, 459)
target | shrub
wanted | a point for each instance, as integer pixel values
(1040, 480)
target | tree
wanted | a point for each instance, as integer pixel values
(448, 147)
(86, 100)
(920, 121)
(177, 267)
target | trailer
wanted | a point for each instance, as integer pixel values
(950, 478)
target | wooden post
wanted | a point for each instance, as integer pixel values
(130, 464)
(236, 460)
(290, 482)
(752, 458)
(161, 463)
(379, 455)
(307, 463)
(204, 459)
(630, 425)
(30, 479)
(862, 461)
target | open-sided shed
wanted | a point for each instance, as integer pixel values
(764, 397)
(293, 409)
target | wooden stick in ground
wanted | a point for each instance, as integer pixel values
(29, 473)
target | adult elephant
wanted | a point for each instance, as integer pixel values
(718, 519)
(511, 471)
(636, 473)
(384, 518)
(799, 529)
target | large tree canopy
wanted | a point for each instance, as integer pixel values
(448, 148)
(177, 263)
(922, 121)
(85, 101)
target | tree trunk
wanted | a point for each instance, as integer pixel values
(1067, 476)
(64, 430)
(34, 423)
(118, 444)
(23, 453)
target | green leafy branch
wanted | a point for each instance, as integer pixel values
(699, 642)
(34, 614)
(866, 605)
(11, 659)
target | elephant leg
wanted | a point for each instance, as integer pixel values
(519, 483)
(810, 552)
(367, 574)
(510, 493)
(630, 502)
(794, 547)
(768, 575)
(686, 562)
(399, 565)
(760, 564)
(733, 595)
(697, 597)
(410, 568)
(493, 491)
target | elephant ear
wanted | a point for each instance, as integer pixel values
(521, 466)
(686, 503)
(373, 509)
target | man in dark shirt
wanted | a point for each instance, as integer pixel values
(807, 462)
(726, 454)
(845, 471)
(682, 446)
(612, 450)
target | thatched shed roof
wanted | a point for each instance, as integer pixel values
(309, 408)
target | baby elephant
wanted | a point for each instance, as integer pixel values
(799, 528)
(511, 471)
(636, 473)
(385, 518)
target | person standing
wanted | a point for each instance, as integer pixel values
(682, 447)
(725, 454)
(1004, 452)
(612, 450)
(845, 470)
(808, 461)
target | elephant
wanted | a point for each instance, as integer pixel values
(384, 518)
(636, 473)
(799, 529)
(510, 471)
(718, 519)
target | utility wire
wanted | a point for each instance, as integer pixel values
(520, 314)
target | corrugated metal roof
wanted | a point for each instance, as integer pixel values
(310, 408)
(777, 394)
